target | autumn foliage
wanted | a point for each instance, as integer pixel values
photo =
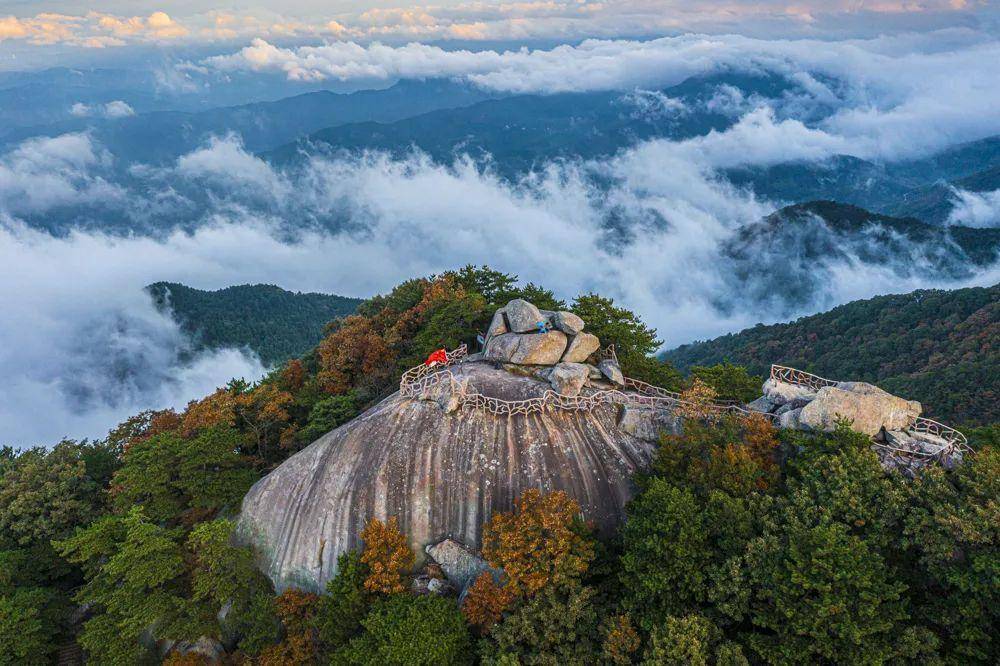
(540, 542)
(485, 602)
(697, 401)
(621, 640)
(296, 609)
(387, 555)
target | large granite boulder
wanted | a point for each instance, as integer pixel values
(781, 393)
(567, 322)
(648, 424)
(528, 349)
(522, 316)
(498, 325)
(458, 563)
(610, 369)
(581, 347)
(868, 407)
(441, 474)
(568, 378)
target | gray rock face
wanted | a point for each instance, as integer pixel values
(568, 378)
(442, 475)
(522, 316)
(498, 326)
(913, 441)
(791, 419)
(780, 393)
(567, 322)
(458, 563)
(536, 349)
(868, 407)
(762, 404)
(649, 424)
(581, 347)
(610, 369)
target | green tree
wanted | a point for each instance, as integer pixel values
(176, 479)
(136, 581)
(327, 414)
(346, 602)
(953, 531)
(634, 341)
(26, 628)
(820, 593)
(666, 551)
(404, 629)
(559, 625)
(224, 575)
(681, 641)
(45, 494)
(730, 382)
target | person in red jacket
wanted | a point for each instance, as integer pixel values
(439, 357)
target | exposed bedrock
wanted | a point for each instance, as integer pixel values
(441, 474)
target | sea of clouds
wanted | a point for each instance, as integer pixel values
(83, 347)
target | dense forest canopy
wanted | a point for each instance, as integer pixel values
(743, 545)
(938, 347)
(273, 323)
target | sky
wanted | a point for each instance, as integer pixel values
(36, 33)
(81, 343)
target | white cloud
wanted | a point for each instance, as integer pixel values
(115, 109)
(976, 209)
(44, 173)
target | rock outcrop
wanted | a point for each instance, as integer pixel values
(527, 349)
(867, 407)
(522, 334)
(900, 437)
(441, 474)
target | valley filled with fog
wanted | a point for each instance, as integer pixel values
(646, 170)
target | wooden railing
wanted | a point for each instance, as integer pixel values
(798, 377)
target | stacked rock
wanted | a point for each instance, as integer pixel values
(554, 343)
(888, 419)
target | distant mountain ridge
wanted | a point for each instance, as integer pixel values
(786, 259)
(936, 346)
(161, 136)
(274, 323)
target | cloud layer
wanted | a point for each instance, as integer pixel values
(84, 348)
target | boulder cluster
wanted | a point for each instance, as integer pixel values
(550, 345)
(887, 418)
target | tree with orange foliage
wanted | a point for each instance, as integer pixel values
(293, 375)
(263, 411)
(485, 603)
(621, 640)
(697, 401)
(541, 541)
(354, 354)
(214, 410)
(300, 645)
(736, 454)
(387, 555)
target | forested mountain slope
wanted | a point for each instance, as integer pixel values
(939, 347)
(274, 323)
